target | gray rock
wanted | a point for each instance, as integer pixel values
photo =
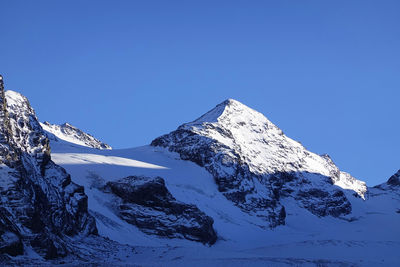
(43, 205)
(147, 203)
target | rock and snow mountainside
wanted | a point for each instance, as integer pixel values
(394, 180)
(389, 189)
(255, 165)
(71, 134)
(41, 208)
(228, 189)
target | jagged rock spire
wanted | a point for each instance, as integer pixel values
(5, 130)
(3, 103)
(2, 90)
(3, 106)
(2, 98)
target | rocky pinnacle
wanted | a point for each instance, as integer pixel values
(5, 131)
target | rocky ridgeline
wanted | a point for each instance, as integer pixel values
(392, 184)
(394, 180)
(255, 165)
(72, 134)
(40, 205)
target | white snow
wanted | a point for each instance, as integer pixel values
(82, 158)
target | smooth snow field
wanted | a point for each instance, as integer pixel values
(370, 236)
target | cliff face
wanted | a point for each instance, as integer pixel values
(40, 205)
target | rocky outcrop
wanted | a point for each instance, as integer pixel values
(392, 184)
(394, 180)
(40, 205)
(147, 203)
(71, 134)
(323, 203)
(255, 165)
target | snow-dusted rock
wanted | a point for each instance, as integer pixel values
(394, 180)
(392, 184)
(71, 134)
(39, 202)
(147, 203)
(254, 164)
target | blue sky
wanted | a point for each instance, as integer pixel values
(326, 72)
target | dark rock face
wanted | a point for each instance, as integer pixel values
(323, 203)
(43, 205)
(10, 240)
(147, 203)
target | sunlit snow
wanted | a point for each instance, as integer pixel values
(85, 158)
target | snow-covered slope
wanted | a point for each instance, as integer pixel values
(369, 236)
(71, 134)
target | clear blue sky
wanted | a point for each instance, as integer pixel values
(326, 72)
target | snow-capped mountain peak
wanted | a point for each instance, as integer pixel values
(233, 112)
(263, 146)
(72, 134)
(254, 164)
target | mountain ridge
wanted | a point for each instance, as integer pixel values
(40, 206)
(72, 134)
(229, 186)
